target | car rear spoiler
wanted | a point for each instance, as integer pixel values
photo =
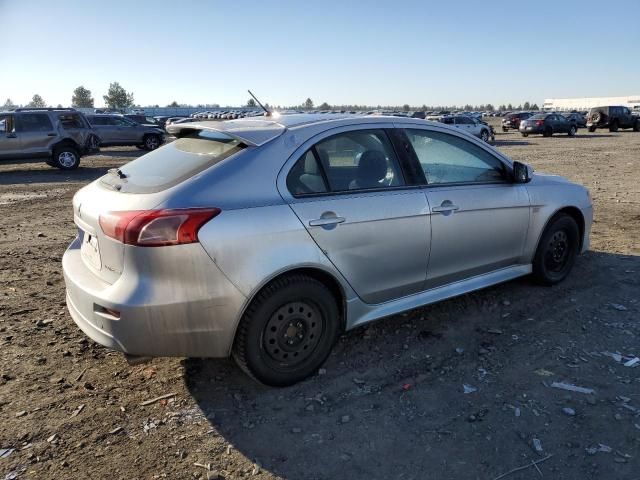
(253, 133)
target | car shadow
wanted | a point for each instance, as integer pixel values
(389, 401)
(82, 174)
(509, 143)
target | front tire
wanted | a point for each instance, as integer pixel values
(572, 131)
(484, 136)
(557, 250)
(288, 331)
(636, 126)
(592, 129)
(151, 142)
(66, 158)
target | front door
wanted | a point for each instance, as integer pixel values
(350, 193)
(9, 142)
(479, 218)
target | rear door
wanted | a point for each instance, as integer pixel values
(9, 141)
(35, 132)
(479, 218)
(351, 194)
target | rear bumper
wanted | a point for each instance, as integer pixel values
(171, 303)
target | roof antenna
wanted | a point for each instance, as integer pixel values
(267, 113)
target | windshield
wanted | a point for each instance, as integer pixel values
(173, 163)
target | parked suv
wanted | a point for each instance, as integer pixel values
(612, 118)
(116, 130)
(512, 120)
(60, 135)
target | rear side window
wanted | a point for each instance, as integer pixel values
(175, 162)
(71, 121)
(350, 161)
(33, 122)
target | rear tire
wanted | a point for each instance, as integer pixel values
(572, 131)
(288, 331)
(525, 134)
(557, 250)
(636, 126)
(66, 158)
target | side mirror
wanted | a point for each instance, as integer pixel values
(521, 173)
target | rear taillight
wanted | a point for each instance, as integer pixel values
(539, 123)
(156, 228)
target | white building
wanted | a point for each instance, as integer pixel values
(585, 103)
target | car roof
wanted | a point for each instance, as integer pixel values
(257, 131)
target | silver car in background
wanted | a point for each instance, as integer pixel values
(266, 238)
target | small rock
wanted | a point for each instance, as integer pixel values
(569, 411)
(89, 386)
(52, 438)
(537, 445)
(116, 430)
(64, 463)
(21, 413)
(41, 235)
(517, 412)
(468, 388)
(459, 351)
(358, 381)
(44, 322)
(495, 331)
(483, 351)
(617, 306)
(310, 407)
(214, 475)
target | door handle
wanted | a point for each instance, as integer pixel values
(446, 207)
(51, 134)
(321, 222)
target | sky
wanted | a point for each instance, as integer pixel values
(336, 51)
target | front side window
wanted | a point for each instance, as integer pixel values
(34, 122)
(447, 159)
(350, 161)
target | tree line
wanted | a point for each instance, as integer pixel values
(117, 98)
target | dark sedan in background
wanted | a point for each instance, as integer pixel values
(546, 124)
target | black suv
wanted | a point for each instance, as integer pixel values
(60, 135)
(612, 118)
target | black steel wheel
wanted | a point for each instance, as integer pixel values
(288, 331)
(557, 250)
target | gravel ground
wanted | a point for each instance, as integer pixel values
(391, 401)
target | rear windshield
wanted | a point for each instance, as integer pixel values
(539, 116)
(173, 163)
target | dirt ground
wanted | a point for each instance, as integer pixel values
(390, 402)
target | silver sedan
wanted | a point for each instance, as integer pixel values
(266, 238)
